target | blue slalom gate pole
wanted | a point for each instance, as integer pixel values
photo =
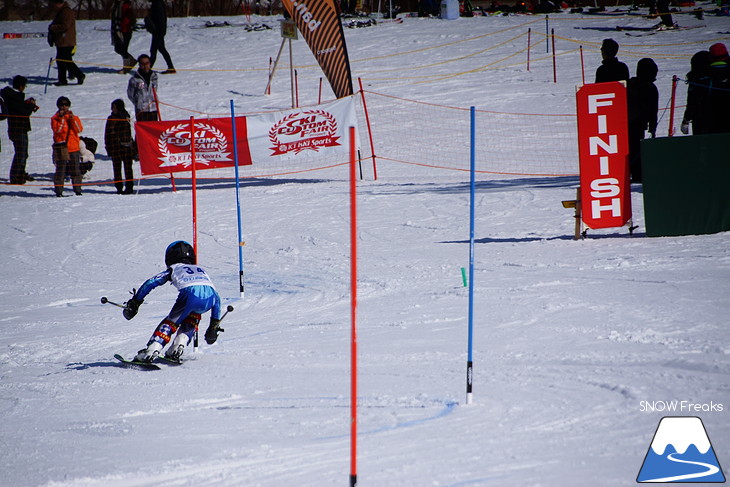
(238, 200)
(472, 163)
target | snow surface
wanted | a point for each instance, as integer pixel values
(572, 339)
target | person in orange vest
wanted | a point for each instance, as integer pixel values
(66, 128)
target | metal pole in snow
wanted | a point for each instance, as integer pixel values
(238, 200)
(472, 156)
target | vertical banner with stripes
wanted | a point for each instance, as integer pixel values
(319, 22)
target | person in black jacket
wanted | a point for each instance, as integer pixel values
(718, 102)
(156, 24)
(120, 146)
(698, 85)
(19, 111)
(611, 69)
(643, 104)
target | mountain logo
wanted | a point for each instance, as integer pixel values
(680, 452)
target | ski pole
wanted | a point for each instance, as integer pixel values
(104, 300)
(195, 338)
(228, 309)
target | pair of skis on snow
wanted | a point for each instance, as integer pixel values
(136, 364)
(139, 365)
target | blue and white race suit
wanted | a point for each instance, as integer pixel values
(196, 291)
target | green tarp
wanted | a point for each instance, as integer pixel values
(686, 184)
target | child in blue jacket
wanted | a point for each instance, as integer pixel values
(196, 296)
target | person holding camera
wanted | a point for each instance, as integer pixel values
(66, 128)
(19, 110)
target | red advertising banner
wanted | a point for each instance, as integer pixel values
(603, 150)
(164, 147)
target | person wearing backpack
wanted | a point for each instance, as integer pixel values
(18, 110)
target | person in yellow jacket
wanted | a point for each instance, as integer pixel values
(66, 128)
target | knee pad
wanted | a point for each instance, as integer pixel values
(190, 323)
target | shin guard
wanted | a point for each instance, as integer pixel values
(166, 329)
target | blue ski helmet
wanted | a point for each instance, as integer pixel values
(179, 252)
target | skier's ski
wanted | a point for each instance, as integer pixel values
(134, 364)
(656, 31)
(167, 360)
(632, 27)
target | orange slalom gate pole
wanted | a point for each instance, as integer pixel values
(582, 66)
(370, 132)
(353, 310)
(159, 118)
(671, 109)
(195, 185)
(296, 88)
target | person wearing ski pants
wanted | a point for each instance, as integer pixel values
(196, 295)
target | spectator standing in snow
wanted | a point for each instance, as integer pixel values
(120, 146)
(698, 85)
(611, 69)
(141, 90)
(661, 8)
(718, 102)
(19, 110)
(196, 295)
(123, 21)
(643, 105)
(62, 34)
(156, 24)
(66, 128)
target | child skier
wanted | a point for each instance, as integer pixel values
(196, 296)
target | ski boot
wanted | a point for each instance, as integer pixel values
(177, 348)
(150, 353)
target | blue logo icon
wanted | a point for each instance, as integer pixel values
(680, 452)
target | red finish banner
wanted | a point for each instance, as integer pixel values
(164, 147)
(603, 152)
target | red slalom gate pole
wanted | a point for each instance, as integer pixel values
(268, 87)
(159, 118)
(195, 185)
(671, 109)
(370, 132)
(296, 87)
(582, 66)
(353, 309)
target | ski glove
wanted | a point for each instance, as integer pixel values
(211, 334)
(684, 127)
(130, 308)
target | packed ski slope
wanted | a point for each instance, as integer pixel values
(573, 340)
